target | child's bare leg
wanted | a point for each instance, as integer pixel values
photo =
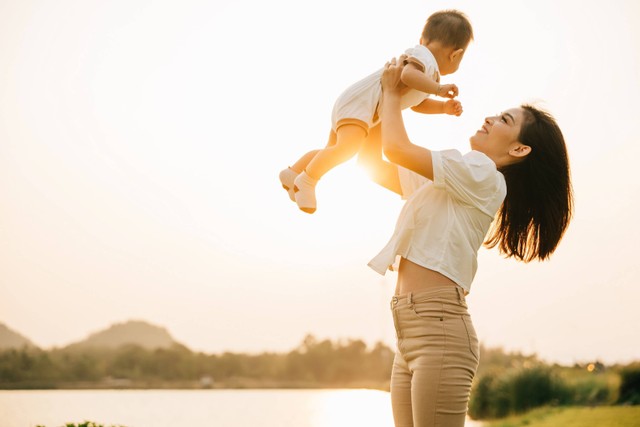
(288, 175)
(348, 140)
(303, 161)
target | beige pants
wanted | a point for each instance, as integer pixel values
(436, 360)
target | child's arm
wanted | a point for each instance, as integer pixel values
(433, 106)
(413, 77)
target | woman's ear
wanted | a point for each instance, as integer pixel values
(520, 150)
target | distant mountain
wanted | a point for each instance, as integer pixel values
(136, 332)
(11, 339)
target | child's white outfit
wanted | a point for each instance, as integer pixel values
(444, 222)
(358, 104)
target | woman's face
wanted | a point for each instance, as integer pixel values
(498, 137)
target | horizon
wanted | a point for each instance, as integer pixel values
(139, 162)
(370, 345)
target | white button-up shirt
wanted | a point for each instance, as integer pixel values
(444, 222)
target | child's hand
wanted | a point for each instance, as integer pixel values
(452, 107)
(448, 91)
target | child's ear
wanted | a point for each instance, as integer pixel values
(455, 53)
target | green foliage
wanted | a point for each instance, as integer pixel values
(31, 367)
(513, 383)
(630, 385)
(496, 359)
(497, 395)
(508, 384)
(591, 390)
(313, 363)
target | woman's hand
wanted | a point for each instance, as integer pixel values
(391, 83)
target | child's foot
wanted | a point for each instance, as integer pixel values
(305, 191)
(287, 176)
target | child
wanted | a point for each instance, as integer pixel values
(444, 40)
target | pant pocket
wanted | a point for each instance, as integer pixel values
(471, 335)
(428, 310)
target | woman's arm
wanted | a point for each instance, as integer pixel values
(380, 171)
(395, 142)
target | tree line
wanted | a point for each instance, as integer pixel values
(314, 363)
(506, 383)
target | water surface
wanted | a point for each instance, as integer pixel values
(219, 408)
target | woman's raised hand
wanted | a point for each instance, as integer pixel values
(391, 82)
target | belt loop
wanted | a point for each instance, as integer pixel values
(460, 295)
(410, 300)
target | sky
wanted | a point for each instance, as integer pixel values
(141, 141)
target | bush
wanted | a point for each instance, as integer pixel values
(591, 391)
(537, 387)
(630, 385)
(482, 404)
(517, 391)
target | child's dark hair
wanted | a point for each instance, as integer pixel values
(539, 201)
(449, 27)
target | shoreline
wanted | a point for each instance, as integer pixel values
(235, 384)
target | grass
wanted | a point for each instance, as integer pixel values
(601, 416)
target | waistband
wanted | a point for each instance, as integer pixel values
(455, 293)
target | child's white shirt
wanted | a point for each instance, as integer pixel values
(358, 104)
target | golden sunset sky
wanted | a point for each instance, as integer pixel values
(140, 143)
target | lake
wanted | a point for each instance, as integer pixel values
(219, 408)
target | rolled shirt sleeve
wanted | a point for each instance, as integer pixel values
(472, 179)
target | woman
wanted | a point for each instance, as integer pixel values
(514, 185)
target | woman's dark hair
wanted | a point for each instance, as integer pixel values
(539, 203)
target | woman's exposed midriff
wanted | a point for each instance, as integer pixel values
(415, 278)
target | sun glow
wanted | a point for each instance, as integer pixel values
(346, 408)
